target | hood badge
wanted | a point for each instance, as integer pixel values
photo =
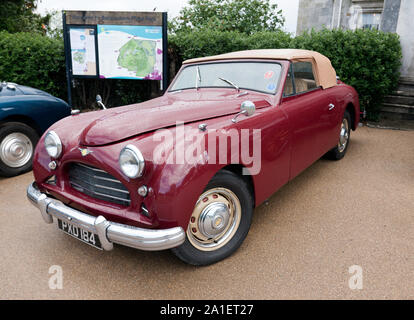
(202, 127)
(85, 152)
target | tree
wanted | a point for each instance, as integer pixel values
(20, 16)
(246, 16)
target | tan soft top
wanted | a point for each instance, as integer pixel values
(324, 72)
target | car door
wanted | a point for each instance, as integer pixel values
(307, 107)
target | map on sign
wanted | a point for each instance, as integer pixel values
(82, 46)
(130, 52)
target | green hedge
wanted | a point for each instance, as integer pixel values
(369, 60)
(212, 42)
(33, 60)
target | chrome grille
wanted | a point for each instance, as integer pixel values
(98, 184)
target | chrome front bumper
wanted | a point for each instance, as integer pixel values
(108, 232)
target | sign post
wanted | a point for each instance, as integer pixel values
(115, 45)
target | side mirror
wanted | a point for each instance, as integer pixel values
(99, 101)
(247, 108)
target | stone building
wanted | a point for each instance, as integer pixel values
(385, 15)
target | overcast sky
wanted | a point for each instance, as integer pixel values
(289, 7)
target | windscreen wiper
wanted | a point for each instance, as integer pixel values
(198, 77)
(230, 83)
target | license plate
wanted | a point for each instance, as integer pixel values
(80, 234)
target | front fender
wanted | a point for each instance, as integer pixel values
(176, 191)
(176, 182)
(42, 110)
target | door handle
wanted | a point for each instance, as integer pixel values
(331, 107)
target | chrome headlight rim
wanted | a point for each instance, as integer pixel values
(57, 144)
(138, 157)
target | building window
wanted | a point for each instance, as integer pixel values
(371, 21)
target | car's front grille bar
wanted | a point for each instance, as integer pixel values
(98, 184)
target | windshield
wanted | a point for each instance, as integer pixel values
(257, 76)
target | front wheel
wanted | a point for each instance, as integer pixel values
(220, 221)
(17, 143)
(340, 149)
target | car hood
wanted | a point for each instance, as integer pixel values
(113, 125)
(32, 91)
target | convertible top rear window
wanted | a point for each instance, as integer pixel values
(256, 76)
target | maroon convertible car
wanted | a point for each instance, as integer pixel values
(186, 170)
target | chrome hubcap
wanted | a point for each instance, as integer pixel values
(343, 136)
(16, 150)
(215, 219)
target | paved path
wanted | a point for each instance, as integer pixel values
(358, 211)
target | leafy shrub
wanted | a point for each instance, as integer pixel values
(211, 42)
(246, 16)
(21, 16)
(368, 60)
(33, 60)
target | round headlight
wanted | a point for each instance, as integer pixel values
(131, 162)
(53, 144)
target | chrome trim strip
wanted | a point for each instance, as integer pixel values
(97, 186)
(90, 168)
(108, 232)
(90, 174)
(112, 189)
(101, 178)
(107, 179)
(82, 190)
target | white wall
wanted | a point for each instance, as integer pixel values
(405, 30)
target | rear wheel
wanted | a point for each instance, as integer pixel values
(220, 221)
(17, 143)
(339, 151)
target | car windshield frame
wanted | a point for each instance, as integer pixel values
(170, 90)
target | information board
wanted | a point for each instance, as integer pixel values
(115, 45)
(130, 52)
(83, 51)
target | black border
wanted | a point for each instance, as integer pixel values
(165, 51)
(68, 58)
(86, 26)
(265, 309)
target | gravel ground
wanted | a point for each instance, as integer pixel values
(358, 211)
